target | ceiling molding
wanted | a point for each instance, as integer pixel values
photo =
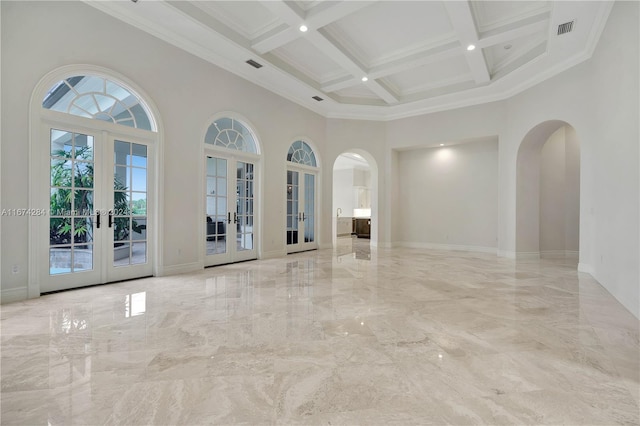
(222, 40)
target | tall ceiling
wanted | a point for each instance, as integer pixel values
(414, 53)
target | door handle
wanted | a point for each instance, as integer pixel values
(110, 218)
(229, 218)
(235, 217)
(303, 217)
(97, 219)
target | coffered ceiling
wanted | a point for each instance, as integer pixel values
(414, 54)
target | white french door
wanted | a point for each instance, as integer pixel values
(230, 230)
(301, 210)
(100, 198)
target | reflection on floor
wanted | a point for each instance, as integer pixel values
(399, 336)
(358, 248)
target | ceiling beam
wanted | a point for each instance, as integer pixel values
(522, 28)
(323, 42)
(316, 18)
(291, 14)
(464, 25)
(340, 83)
(275, 38)
(410, 61)
(327, 12)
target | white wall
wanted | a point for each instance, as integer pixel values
(598, 98)
(600, 101)
(187, 91)
(366, 138)
(552, 193)
(560, 194)
(572, 192)
(343, 192)
(450, 196)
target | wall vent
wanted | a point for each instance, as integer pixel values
(565, 28)
(254, 63)
(317, 98)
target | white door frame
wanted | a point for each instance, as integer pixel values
(302, 170)
(232, 157)
(39, 161)
(103, 269)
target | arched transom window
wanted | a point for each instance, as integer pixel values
(100, 99)
(231, 134)
(300, 152)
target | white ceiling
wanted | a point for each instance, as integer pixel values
(413, 52)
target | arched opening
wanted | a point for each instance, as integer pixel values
(355, 186)
(232, 161)
(301, 197)
(96, 152)
(548, 192)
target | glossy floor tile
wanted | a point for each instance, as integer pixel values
(351, 336)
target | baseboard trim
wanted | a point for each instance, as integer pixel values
(183, 268)
(11, 295)
(448, 247)
(273, 254)
(383, 244)
(586, 268)
(507, 254)
(527, 255)
(559, 254)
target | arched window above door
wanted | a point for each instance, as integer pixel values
(301, 153)
(231, 134)
(98, 98)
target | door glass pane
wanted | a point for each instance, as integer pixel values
(130, 204)
(139, 253)
(309, 208)
(293, 217)
(216, 214)
(244, 206)
(71, 227)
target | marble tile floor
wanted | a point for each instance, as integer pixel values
(351, 336)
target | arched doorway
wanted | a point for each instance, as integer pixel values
(355, 186)
(95, 146)
(232, 161)
(548, 192)
(302, 197)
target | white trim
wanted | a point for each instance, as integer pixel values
(273, 254)
(509, 254)
(39, 116)
(232, 155)
(449, 247)
(183, 268)
(175, 33)
(313, 147)
(525, 255)
(386, 245)
(588, 269)
(11, 295)
(558, 254)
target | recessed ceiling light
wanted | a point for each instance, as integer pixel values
(507, 46)
(303, 28)
(471, 47)
(441, 144)
(365, 78)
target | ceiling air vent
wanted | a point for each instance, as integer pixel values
(254, 63)
(565, 28)
(317, 98)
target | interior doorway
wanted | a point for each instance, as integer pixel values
(354, 186)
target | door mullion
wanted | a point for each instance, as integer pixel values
(105, 203)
